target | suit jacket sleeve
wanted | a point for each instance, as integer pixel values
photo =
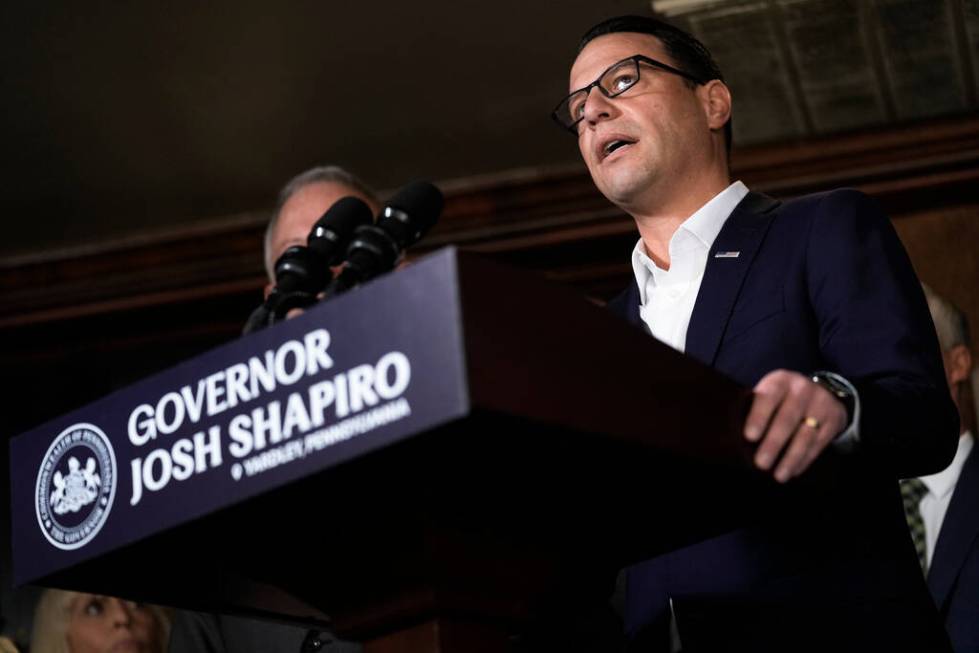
(875, 329)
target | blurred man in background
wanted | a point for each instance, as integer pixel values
(943, 509)
(302, 201)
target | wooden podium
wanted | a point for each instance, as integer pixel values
(537, 445)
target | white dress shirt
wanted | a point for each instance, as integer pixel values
(940, 486)
(667, 297)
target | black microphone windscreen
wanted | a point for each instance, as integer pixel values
(412, 211)
(421, 197)
(299, 269)
(331, 233)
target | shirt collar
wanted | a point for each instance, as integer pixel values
(944, 481)
(704, 225)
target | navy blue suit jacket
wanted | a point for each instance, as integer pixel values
(953, 577)
(819, 283)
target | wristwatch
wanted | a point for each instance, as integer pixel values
(839, 388)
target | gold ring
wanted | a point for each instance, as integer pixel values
(811, 422)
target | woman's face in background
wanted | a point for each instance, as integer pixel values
(103, 624)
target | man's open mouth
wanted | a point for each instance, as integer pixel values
(613, 145)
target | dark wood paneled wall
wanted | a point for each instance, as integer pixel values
(76, 324)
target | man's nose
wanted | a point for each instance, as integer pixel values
(598, 107)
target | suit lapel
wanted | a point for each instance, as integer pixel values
(960, 528)
(742, 233)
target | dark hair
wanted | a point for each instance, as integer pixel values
(689, 54)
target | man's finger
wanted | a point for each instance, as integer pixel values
(804, 442)
(832, 422)
(768, 395)
(796, 395)
(782, 427)
(821, 420)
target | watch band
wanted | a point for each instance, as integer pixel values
(837, 387)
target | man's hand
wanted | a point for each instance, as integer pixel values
(790, 410)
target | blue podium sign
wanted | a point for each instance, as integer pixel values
(348, 377)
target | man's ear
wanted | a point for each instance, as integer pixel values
(716, 97)
(268, 289)
(958, 359)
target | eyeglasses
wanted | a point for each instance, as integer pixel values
(616, 80)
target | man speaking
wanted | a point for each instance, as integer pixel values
(814, 304)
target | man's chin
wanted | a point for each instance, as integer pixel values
(623, 192)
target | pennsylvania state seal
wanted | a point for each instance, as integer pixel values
(75, 486)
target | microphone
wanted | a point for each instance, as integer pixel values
(330, 236)
(302, 272)
(299, 275)
(298, 269)
(374, 249)
(411, 213)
